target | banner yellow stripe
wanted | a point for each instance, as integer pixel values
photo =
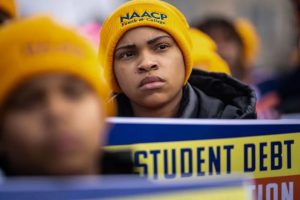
(258, 156)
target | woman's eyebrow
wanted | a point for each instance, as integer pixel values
(126, 46)
(157, 38)
(132, 46)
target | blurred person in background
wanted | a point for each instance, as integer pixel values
(289, 84)
(205, 54)
(8, 10)
(280, 95)
(52, 103)
(237, 43)
(146, 51)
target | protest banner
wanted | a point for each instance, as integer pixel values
(170, 149)
(123, 187)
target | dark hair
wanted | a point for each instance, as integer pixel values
(225, 25)
(4, 166)
(4, 16)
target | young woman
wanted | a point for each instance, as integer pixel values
(145, 49)
(52, 102)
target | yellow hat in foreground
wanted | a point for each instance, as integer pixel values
(38, 46)
(250, 39)
(204, 53)
(9, 6)
(137, 13)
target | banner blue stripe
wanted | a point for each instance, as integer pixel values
(125, 134)
(117, 187)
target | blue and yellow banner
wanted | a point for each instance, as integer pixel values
(123, 187)
(178, 149)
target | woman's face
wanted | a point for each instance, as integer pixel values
(53, 125)
(149, 67)
(229, 49)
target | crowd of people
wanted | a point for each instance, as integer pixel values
(57, 89)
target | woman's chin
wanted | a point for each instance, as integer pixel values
(154, 103)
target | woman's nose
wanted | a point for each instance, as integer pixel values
(147, 64)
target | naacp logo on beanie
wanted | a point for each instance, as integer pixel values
(138, 13)
(135, 17)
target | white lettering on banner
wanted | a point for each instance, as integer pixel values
(271, 191)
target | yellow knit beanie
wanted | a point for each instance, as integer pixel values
(137, 13)
(9, 6)
(204, 53)
(37, 46)
(250, 39)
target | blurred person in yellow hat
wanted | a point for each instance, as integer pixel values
(205, 54)
(8, 10)
(237, 43)
(53, 101)
(146, 52)
(279, 95)
(250, 39)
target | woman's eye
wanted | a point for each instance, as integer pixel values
(75, 90)
(162, 46)
(27, 101)
(126, 55)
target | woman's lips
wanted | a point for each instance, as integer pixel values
(151, 83)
